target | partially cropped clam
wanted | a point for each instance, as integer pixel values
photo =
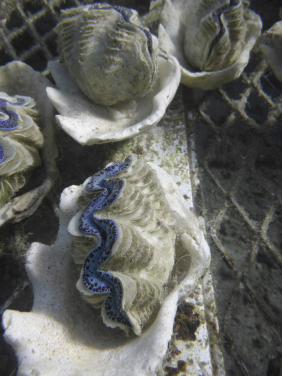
(20, 140)
(26, 117)
(211, 39)
(271, 44)
(114, 82)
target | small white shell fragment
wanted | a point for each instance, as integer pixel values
(89, 123)
(64, 335)
(200, 35)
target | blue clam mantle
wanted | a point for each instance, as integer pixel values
(2, 153)
(20, 139)
(124, 241)
(94, 279)
(10, 119)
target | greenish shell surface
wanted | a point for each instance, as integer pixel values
(143, 255)
(212, 40)
(110, 57)
(20, 143)
(216, 37)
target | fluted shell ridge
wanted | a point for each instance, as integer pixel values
(217, 40)
(20, 139)
(108, 54)
(134, 223)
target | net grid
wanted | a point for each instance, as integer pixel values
(238, 148)
(26, 40)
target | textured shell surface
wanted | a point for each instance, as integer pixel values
(271, 44)
(216, 38)
(211, 39)
(63, 334)
(24, 127)
(20, 139)
(110, 56)
(89, 123)
(125, 239)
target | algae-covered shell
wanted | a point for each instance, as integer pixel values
(20, 139)
(108, 54)
(211, 39)
(215, 39)
(125, 239)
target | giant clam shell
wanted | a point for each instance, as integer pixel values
(114, 82)
(64, 335)
(108, 54)
(89, 123)
(216, 39)
(20, 139)
(21, 83)
(127, 257)
(211, 39)
(271, 44)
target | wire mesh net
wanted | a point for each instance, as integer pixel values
(236, 134)
(238, 138)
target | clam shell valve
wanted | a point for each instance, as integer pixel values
(110, 56)
(211, 39)
(124, 238)
(20, 139)
(220, 36)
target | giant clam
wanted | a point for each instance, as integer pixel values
(22, 129)
(211, 39)
(110, 56)
(20, 139)
(63, 333)
(115, 82)
(125, 238)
